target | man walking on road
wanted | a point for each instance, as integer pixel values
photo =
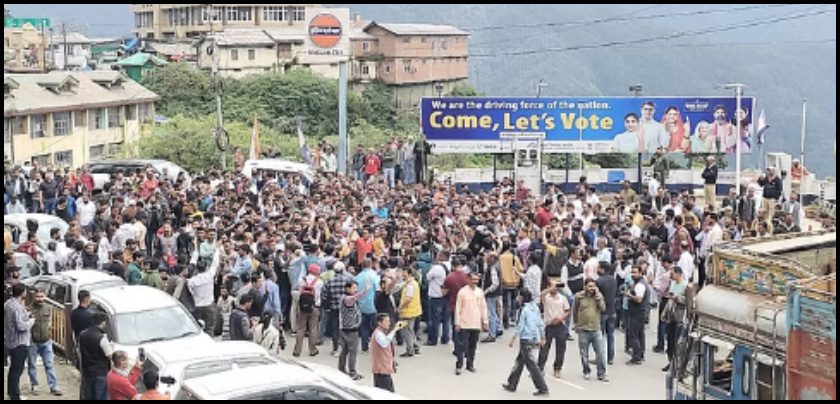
(556, 311)
(17, 335)
(470, 320)
(531, 332)
(589, 304)
(41, 344)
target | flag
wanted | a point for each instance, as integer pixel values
(255, 140)
(304, 151)
(762, 127)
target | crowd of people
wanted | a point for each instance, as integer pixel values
(365, 263)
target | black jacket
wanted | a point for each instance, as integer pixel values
(710, 175)
(94, 361)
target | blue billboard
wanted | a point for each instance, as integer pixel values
(588, 124)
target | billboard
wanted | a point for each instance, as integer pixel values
(588, 124)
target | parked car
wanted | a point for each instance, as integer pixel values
(143, 316)
(63, 288)
(177, 365)
(283, 381)
(20, 232)
(102, 170)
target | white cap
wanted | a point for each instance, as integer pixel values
(339, 266)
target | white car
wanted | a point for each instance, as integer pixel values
(283, 381)
(17, 221)
(177, 365)
(143, 316)
(101, 170)
(29, 268)
(278, 165)
(64, 287)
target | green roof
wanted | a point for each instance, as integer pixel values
(141, 59)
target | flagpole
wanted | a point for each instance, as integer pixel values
(739, 91)
(802, 147)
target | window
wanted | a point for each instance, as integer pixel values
(720, 368)
(38, 126)
(444, 44)
(366, 46)
(79, 118)
(407, 67)
(424, 40)
(234, 54)
(42, 159)
(114, 148)
(406, 40)
(113, 117)
(99, 119)
(130, 112)
(96, 151)
(298, 13)
(61, 123)
(64, 158)
(365, 70)
(764, 374)
(212, 14)
(19, 125)
(387, 68)
(58, 293)
(275, 13)
(144, 112)
(238, 13)
(252, 54)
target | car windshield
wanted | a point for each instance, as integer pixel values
(224, 365)
(163, 324)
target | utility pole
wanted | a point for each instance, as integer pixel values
(802, 147)
(343, 141)
(636, 89)
(64, 45)
(219, 133)
(44, 68)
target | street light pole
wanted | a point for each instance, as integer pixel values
(802, 147)
(636, 89)
(739, 92)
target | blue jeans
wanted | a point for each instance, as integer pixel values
(571, 320)
(45, 351)
(389, 176)
(594, 338)
(95, 388)
(438, 320)
(509, 304)
(366, 329)
(608, 331)
(493, 316)
(49, 206)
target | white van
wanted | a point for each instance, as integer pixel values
(102, 170)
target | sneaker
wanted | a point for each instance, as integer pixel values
(471, 370)
(633, 363)
(500, 334)
(610, 362)
(334, 354)
(314, 353)
(508, 388)
(57, 393)
(542, 393)
(658, 349)
(557, 374)
(457, 372)
(406, 355)
(666, 368)
(488, 340)
(604, 379)
(356, 377)
(428, 343)
(570, 339)
(34, 390)
(296, 355)
(587, 376)
(417, 350)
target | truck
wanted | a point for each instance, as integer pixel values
(812, 339)
(735, 343)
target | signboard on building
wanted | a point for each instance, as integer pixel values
(37, 23)
(588, 124)
(328, 39)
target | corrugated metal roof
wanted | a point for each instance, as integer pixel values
(286, 34)
(34, 95)
(57, 38)
(417, 29)
(171, 49)
(140, 59)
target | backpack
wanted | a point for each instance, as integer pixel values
(306, 303)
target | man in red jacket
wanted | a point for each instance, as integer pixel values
(121, 380)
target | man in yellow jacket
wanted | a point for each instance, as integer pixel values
(410, 310)
(511, 270)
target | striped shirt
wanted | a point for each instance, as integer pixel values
(17, 326)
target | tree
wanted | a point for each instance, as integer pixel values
(463, 90)
(183, 90)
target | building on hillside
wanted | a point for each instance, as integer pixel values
(69, 118)
(180, 21)
(139, 65)
(24, 48)
(175, 51)
(414, 60)
(79, 50)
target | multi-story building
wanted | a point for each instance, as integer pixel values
(416, 60)
(24, 49)
(75, 46)
(180, 21)
(69, 118)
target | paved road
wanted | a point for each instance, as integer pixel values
(431, 376)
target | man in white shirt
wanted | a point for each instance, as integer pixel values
(201, 287)
(437, 304)
(713, 234)
(686, 261)
(87, 211)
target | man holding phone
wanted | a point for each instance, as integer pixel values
(122, 379)
(382, 352)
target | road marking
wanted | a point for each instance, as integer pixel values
(568, 383)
